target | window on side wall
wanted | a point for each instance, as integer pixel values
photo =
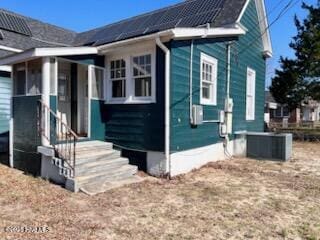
(34, 77)
(208, 80)
(97, 83)
(118, 78)
(141, 68)
(251, 92)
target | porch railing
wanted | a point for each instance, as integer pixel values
(60, 136)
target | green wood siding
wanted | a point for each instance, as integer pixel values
(5, 93)
(183, 136)
(98, 128)
(139, 126)
(25, 137)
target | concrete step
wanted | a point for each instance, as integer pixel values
(94, 145)
(93, 189)
(121, 173)
(97, 156)
(100, 167)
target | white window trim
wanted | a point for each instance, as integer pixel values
(251, 116)
(91, 68)
(128, 57)
(211, 60)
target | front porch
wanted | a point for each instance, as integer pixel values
(57, 126)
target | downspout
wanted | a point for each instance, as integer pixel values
(11, 161)
(191, 82)
(167, 104)
(228, 69)
(228, 101)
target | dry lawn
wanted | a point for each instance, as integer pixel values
(236, 199)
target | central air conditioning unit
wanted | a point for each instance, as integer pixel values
(269, 146)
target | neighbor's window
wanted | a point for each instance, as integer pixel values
(19, 79)
(97, 83)
(282, 111)
(118, 78)
(208, 88)
(251, 92)
(142, 75)
(34, 77)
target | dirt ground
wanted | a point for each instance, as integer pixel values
(235, 199)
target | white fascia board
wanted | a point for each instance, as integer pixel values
(47, 52)
(263, 24)
(6, 68)
(177, 33)
(10, 49)
(185, 33)
(110, 46)
(64, 51)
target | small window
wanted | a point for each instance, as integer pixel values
(251, 94)
(278, 112)
(34, 77)
(97, 83)
(208, 88)
(142, 75)
(118, 78)
(19, 76)
(285, 112)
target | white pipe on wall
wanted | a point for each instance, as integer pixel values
(11, 162)
(167, 104)
(191, 82)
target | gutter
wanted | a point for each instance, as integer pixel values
(177, 34)
(167, 104)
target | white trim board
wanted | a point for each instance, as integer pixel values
(263, 24)
(47, 52)
(10, 49)
(6, 68)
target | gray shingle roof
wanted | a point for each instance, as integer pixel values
(42, 35)
(190, 13)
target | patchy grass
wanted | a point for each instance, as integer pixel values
(236, 199)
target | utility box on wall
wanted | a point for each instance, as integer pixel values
(197, 115)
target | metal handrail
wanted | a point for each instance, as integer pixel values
(61, 137)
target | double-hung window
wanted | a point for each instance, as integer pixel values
(132, 76)
(208, 81)
(251, 94)
(118, 78)
(142, 75)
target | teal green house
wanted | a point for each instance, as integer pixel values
(168, 90)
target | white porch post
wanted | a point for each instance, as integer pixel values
(45, 97)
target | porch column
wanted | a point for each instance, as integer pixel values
(45, 97)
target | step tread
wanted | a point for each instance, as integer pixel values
(118, 171)
(103, 186)
(92, 154)
(106, 162)
(93, 144)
